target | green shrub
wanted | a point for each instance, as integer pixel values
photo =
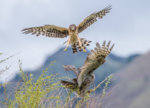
(47, 92)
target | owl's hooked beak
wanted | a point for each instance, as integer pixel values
(73, 28)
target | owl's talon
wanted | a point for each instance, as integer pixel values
(65, 49)
(84, 50)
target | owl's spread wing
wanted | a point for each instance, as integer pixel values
(47, 30)
(94, 60)
(71, 68)
(89, 20)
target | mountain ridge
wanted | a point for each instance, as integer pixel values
(67, 58)
(113, 64)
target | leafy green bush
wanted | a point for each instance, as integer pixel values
(34, 94)
(47, 92)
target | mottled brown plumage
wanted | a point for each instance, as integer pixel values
(72, 31)
(94, 59)
(85, 74)
(47, 30)
(89, 20)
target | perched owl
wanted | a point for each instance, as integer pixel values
(72, 31)
(85, 74)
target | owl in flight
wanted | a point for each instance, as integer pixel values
(85, 74)
(72, 31)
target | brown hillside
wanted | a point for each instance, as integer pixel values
(132, 89)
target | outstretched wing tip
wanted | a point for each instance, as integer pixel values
(112, 47)
(98, 45)
(109, 7)
(25, 30)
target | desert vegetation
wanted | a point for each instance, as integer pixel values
(47, 92)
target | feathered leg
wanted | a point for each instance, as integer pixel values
(68, 42)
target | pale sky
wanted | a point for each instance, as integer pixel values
(127, 25)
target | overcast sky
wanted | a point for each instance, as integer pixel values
(127, 25)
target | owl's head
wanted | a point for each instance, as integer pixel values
(72, 27)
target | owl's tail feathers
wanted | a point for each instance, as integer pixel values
(84, 43)
(74, 48)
